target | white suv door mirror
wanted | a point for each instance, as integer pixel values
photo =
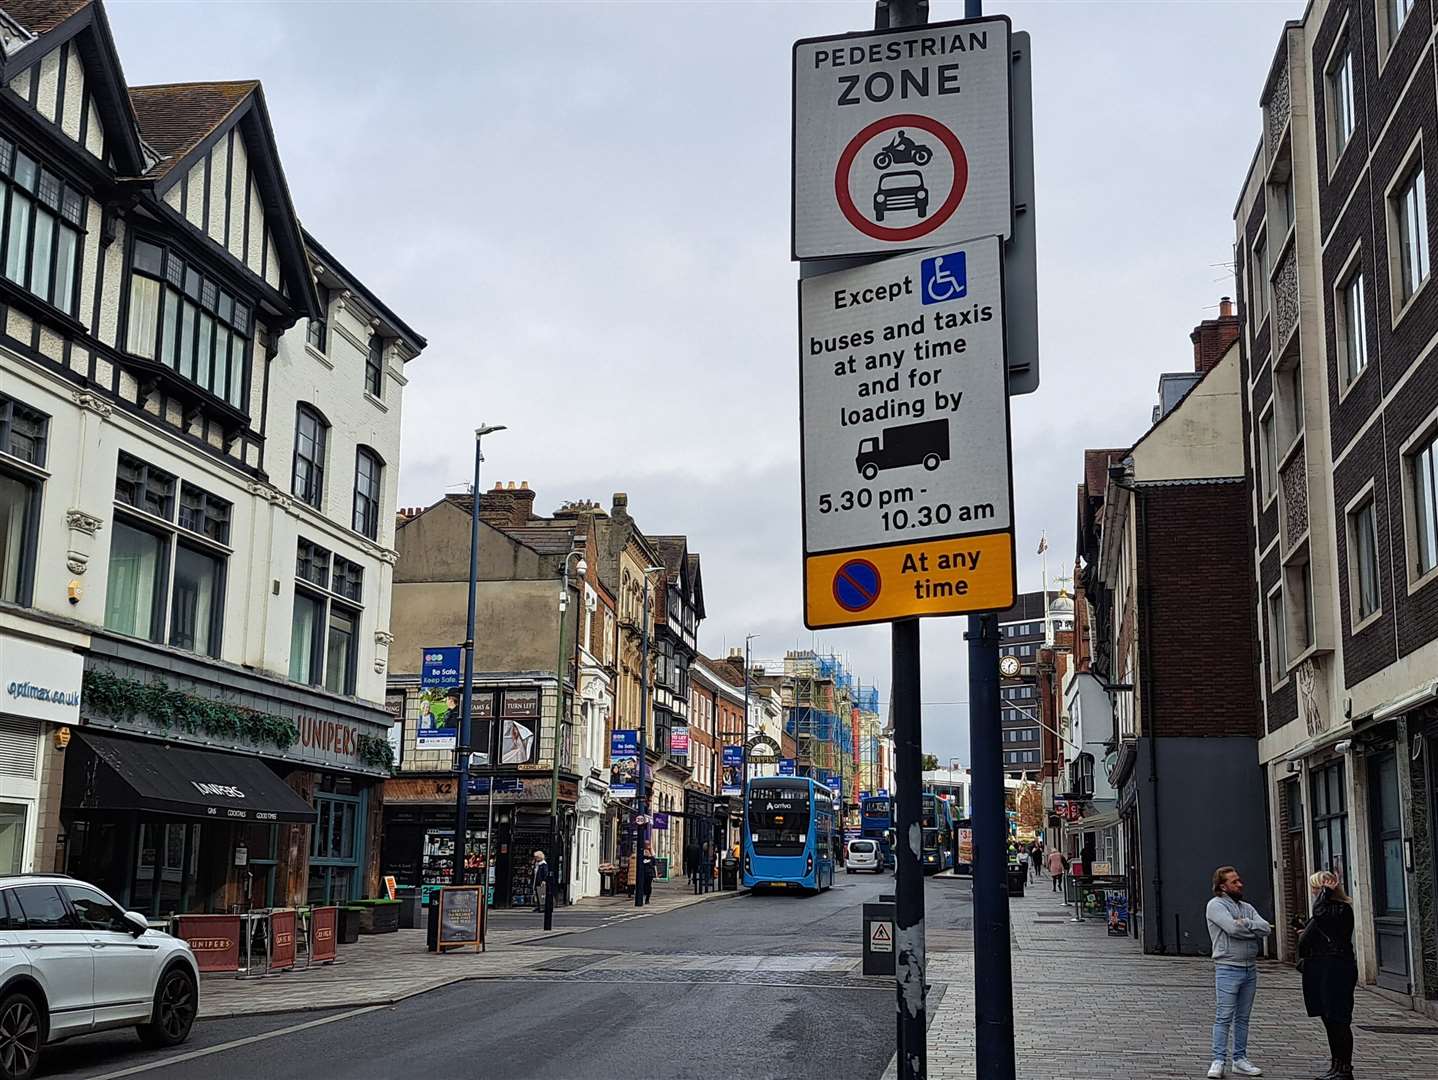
(138, 924)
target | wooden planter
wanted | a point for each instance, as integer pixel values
(379, 918)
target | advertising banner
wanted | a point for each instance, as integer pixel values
(786, 766)
(324, 936)
(438, 724)
(459, 917)
(282, 939)
(733, 769)
(679, 740)
(661, 820)
(439, 668)
(214, 939)
(623, 763)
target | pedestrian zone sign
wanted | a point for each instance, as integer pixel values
(908, 501)
(901, 138)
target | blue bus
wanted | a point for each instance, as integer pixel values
(939, 833)
(791, 834)
(876, 820)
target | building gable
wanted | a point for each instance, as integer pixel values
(219, 176)
(64, 68)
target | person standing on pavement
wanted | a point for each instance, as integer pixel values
(1237, 931)
(1057, 865)
(541, 880)
(1036, 858)
(1330, 969)
(648, 869)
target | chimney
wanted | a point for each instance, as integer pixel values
(1212, 337)
(619, 506)
(507, 504)
(735, 660)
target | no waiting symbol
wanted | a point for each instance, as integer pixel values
(856, 585)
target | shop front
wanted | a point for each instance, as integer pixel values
(418, 847)
(39, 697)
(191, 787)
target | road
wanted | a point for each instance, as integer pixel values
(753, 987)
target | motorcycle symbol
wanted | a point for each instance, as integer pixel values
(903, 150)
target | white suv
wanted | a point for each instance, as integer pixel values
(72, 962)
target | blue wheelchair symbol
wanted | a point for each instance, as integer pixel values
(945, 277)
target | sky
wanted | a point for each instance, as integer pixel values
(585, 209)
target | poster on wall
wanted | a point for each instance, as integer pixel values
(518, 725)
(733, 769)
(679, 740)
(623, 763)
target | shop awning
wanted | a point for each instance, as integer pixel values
(158, 778)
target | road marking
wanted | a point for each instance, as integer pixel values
(235, 1044)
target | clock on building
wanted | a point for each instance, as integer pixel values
(1008, 666)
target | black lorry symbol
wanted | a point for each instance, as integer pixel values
(925, 443)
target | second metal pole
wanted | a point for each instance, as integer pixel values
(993, 965)
(908, 845)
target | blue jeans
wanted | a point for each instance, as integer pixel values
(1235, 987)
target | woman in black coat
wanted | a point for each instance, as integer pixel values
(1330, 970)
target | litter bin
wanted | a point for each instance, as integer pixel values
(878, 939)
(1017, 877)
(729, 873)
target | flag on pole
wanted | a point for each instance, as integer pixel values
(1043, 542)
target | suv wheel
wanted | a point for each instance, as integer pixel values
(174, 1013)
(20, 1036)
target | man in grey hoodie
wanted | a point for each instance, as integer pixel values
(1237, 932)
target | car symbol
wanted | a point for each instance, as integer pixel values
(901, 191)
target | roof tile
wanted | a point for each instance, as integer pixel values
(176, 117)
(42, 16)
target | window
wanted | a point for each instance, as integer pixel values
(1353, 328)
(324, 630)
(94, 911)
(1363, 572)
(1398, 11)
(167, 579)
(43, 216)
(1258, 287)
(23, 437)
(317, 330)
(1303, 582)
(336, 847)
(187, 321)
(1290, 387)
(1329, 800)
(1340, 98)
(1424, 473)
(374, 367)
(311, 433)
(1268, 456)
(368, 471)
(1277, 638)
(43, 908)
(1410, 212)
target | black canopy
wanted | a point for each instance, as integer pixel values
(177, 781)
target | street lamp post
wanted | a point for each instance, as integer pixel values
(461, 755)
(639, 802)
(744, 772)
(554, 835)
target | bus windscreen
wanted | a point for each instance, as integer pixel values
(778, 820)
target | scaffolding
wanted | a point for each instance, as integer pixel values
(824, 708)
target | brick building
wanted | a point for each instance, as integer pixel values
(1340, 394)
(1163, 704)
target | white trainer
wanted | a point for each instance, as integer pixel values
(1216, 1069)
(1244, 1067)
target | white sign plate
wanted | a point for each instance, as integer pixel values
(901, 138)
(40, 681)
(905, 435)
(881, 937)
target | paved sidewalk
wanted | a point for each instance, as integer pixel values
(1091, 1007)
(383, 968)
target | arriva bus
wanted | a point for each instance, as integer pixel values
(938, 834)
(791, 834)
(876, 820)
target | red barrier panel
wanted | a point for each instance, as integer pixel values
(282, 939)
(324, 934)
(214, 939)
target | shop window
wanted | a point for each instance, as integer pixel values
(13, 830)
(336, 848)
(166, 579)
(324, 631)
(43, 217)
(184, 319)
(23, 436)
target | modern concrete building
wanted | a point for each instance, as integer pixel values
(1340, 397)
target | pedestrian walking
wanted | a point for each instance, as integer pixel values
(1330, 969)
(541, 880)
(1237, 931)
(1057, 865)
(648, 869)
(1036, 859)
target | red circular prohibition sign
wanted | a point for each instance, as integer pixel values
(938, 217)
